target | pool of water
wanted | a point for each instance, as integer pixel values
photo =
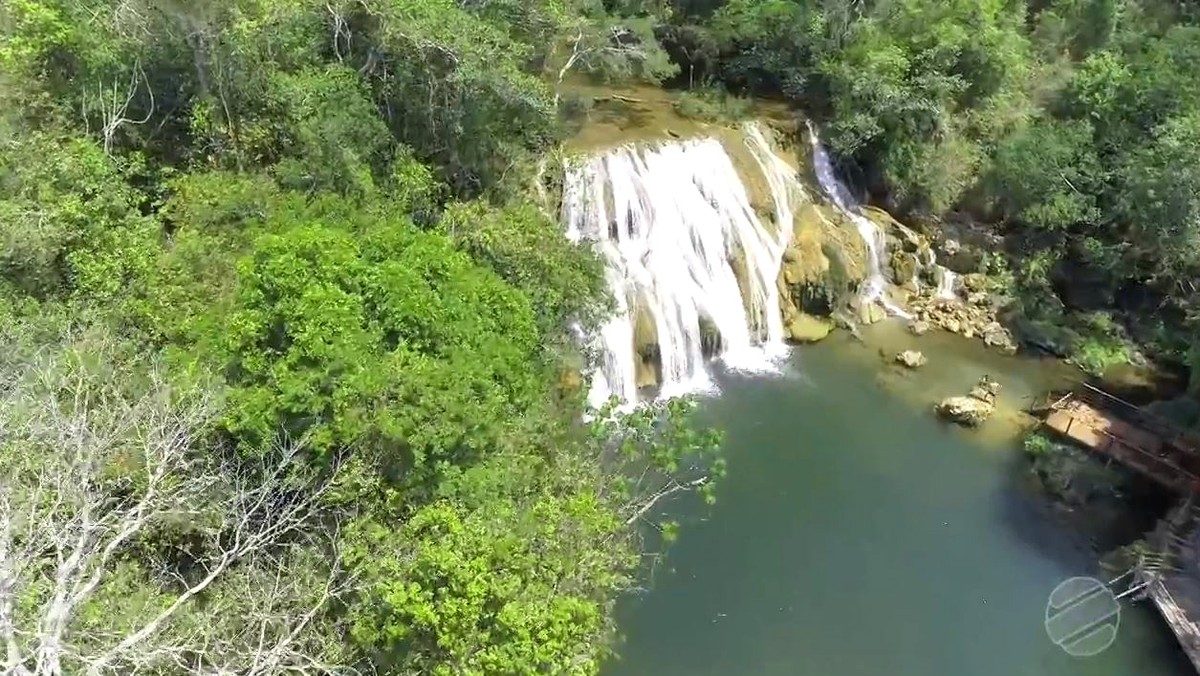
(855, 535)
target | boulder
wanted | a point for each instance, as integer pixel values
(985, 390)
(805, 328)
(951, 247)
(904, 267)
(974, 281)
(951, 324)
(911, 358)
(974, 408)
(870, 313)
(999, 337)
(918, 327)
(967, 411)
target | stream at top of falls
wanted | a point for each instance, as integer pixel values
(855, 535)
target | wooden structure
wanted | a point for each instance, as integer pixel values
(1136, 438)
(1170, 456)
(1172, 580)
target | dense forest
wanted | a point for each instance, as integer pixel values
(290, 381)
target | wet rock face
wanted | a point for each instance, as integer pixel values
(904, 267)
(824, 262)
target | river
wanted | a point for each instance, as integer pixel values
(855, 535)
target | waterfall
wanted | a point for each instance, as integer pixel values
(873, 289)
(668, 220)
(946, 278)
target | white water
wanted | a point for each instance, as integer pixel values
(875, 283)
(946, 278)
(667, 220)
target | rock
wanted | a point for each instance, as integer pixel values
(951, 324)
(998, 337)
(870, 313)
(805, 328)
(904, 267)
(877, 313)
(967, 411)
(974, 281)
(968, 332)
(645, 373)
(925, 255)
(918, 327)
(951, 247)
(977, 298)
(911, 358)
(823, 262)
(974, 408)
(986, 390)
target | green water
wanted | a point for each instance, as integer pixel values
(856, 536)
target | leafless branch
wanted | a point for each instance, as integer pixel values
(89, 471)
(112, 104)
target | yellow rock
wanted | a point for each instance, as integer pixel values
(805, 328)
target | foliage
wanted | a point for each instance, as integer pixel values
(527, 249)
(379, 335)
(1068, 125)
(70, 220)
(712, 105)
(313, 218)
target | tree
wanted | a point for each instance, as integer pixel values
(1047, 175)
(70, 222)
(563, 280)
(378, 335)
(1160, 196)
(125, 550)
(504, 575)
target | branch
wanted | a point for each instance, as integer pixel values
(670, 489)
(112, 107)
(70, 507)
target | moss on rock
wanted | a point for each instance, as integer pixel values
(825, 261)
(904, 267)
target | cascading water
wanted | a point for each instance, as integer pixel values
(875, 284)
(668, 221)
(946, 279)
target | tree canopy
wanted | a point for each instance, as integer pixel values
(288, 379)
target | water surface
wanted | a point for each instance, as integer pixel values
(857, 536)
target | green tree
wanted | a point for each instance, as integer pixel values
(1047, 175)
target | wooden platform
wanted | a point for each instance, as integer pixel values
(1174, 588)
(1130, 435)
(1152, 446)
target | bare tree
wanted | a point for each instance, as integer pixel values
(112, 102)
(95, 476)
